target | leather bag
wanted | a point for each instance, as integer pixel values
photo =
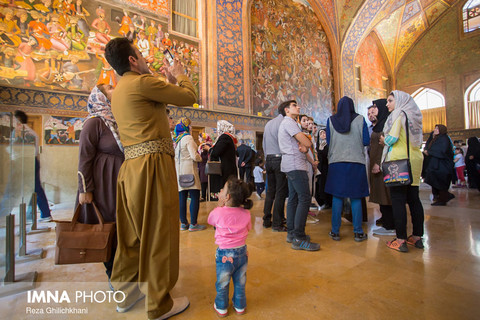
(398, 172)
(83, 243)
(213, 167)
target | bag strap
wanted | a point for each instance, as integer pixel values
(408, 135)
(76, 215)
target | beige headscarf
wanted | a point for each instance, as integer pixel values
(405, 102)
(224, 126)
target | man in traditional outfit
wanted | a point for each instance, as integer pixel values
(147, 257)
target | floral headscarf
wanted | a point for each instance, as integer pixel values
(182, 129)
(226, 127)
(99, 106)
(206, 137)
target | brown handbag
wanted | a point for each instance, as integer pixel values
(83, 243)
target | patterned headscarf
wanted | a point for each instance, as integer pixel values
(206, 137)
(182, 129)
(99, 106)
(405, 102)
(225, 127)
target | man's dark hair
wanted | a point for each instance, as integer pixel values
(117, 52)
(21, 116)
(283, 105)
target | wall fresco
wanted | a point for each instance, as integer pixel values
(159, 7)
(291, 59)
(230, 54)
(373, 69)
(60, 45)
(387, 31)
(352, 40)
(346, 12)
(408, 34)
(329, 7)
(62, 130)
(411, 9)
(434, 11)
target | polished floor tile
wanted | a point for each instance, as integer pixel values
(344, 280)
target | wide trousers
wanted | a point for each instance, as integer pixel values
(147, 257)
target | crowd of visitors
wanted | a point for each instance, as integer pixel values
(132, 151)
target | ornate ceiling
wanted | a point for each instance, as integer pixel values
(398, 24)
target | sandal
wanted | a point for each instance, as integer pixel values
(416, 243)
(395, 244)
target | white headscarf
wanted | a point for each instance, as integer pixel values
(405, 102)
(224, 126)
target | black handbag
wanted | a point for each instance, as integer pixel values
(398, 173)
(184, 180)
(213, 167)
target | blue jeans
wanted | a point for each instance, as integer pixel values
(41, 197)
(337, 206)
(194, 205)
(298, 203)
(231, 264)
(260, 187)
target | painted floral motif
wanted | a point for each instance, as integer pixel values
(230, 53)
(291, 59)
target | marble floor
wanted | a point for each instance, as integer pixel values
(344, 280)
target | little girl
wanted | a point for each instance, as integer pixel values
(232, 223)
(459, 167)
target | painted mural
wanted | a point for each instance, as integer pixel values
(373, 69)
(291, 59)
(329, 7)
(59, 45)
(346, 12)
(62, 130)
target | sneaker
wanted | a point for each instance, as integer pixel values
(184, 227)
(196, 227)
(395, 244)
(179, 305)
(305, 245)
(220, 312)
(239, 311)
(46, 219)
(267, 225)
(125, 309)
(381, 231)
(279, 229)
(416, 243)
(290, 238)
(334, 236)
(359, 237)
(258, 196)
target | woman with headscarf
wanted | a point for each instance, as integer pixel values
(186, 156)
(472, 160)
(100, 159)
(224, 150)
(438, 165)
(400, 103)
(205, 145)
(379, 193)
(324, 199)
(347, 134)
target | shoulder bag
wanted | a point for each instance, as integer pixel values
(83, 243)
(184, 180)
(398, 172)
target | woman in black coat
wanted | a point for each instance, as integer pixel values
(439, 165)
(224, 150)
(472, 160)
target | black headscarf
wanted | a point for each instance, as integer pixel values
(473, 148)
(345, 115)
(382, 116)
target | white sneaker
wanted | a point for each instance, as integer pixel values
(381, 231)
(125, 309)
(312, 220)
(179, 305)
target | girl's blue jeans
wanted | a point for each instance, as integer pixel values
(231, 264)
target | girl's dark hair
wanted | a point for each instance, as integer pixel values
(460, 149)
(239, 192)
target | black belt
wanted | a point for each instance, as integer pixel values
(278, 155)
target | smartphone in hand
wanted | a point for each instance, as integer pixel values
(169, 56)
